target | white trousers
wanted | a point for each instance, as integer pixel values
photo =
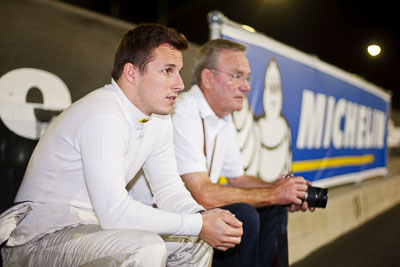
(89, 246)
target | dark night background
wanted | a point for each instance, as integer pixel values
(338, 32)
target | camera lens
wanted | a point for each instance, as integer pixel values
(316, 197)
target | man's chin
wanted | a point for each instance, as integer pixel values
(163, 112)
(239, 107)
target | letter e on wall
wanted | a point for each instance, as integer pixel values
(16, 112)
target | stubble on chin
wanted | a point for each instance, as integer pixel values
(164, 111)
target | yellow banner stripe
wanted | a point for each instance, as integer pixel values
(325, 163)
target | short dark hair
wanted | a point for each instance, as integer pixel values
(208, 55)
(137, 45)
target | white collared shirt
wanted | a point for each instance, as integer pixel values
(91, 152)
(223, 156)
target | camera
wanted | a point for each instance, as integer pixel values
(316, 197)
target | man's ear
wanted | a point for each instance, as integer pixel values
(206, 78)
(130, 72)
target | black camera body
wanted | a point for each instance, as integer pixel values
(316, 197)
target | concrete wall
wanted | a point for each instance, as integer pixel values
(348, 207)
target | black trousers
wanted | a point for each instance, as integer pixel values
(264, 240)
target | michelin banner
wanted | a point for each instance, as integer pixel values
(305, 116)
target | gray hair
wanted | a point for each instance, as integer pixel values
(208, 56)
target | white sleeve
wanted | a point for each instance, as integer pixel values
(103, 142)
(161, 171)
(189, 139)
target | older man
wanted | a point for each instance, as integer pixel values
(206, 148)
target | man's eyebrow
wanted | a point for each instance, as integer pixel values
(240, 71)
(170, 65)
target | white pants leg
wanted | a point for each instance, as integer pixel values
(187, 251)
(91, 246)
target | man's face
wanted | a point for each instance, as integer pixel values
(228, 91)
(159, 85)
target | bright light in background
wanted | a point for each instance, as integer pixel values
(374, 50)
(248, 28)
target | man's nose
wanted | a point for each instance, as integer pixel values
(245, 85)
(178, 85)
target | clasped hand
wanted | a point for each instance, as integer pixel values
(221, 229)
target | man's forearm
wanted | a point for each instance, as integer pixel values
(209, 195)
(248, 181)
(215, 195)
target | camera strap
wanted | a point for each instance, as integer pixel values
(205, 147)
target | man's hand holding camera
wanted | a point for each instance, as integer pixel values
(289, 191)
(298, 193)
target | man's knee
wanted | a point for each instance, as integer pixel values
(187, 251)
(153, 247)
(273, 215)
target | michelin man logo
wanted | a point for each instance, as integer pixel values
(248, 138)
(265, 142)
(29, 99)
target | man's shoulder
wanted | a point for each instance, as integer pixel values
(99, 94)
(188, 98)
(100, 100)
(187, 102)
(97, 104)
